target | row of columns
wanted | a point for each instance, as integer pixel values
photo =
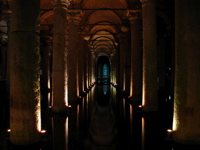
(25, 67)
(139, 80)
(25, 120)
(67, 68)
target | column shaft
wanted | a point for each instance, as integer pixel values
(72, 57)
(136, 58)
(149, 94)
(122, 47)
(186, 119)
(25, 73)
(59, 58)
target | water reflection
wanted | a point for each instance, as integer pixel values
(102, 128)
(60, 132)
(102, 120)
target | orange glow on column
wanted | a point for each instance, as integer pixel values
(67, 132)
(66, 84)
(143, 93)
(175, 116)
(66, 96)
(131, 90)
(38, 115)
(131, 118)
(143, 133)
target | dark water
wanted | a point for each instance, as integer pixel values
(102, 120)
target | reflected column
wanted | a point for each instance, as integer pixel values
(60, 132)
(59, 56)
(25, 121)
(149, 95)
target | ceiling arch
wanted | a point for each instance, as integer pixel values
(103, 16)
(101, 33)
(102, 26)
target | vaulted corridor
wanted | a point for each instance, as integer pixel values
(99, 74)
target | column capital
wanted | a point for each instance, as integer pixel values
(134, 15)
(84, 32)
(62, 2)
(74, 16)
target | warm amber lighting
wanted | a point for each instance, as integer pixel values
(66, 96)
(124, 29)
(140, 106)
(129, 96)
(131, 117)
(143, 92)
(87, 37)
(143, 132)
(9, 130)
(69, 106)
(66, 84)
(175, 116)
(66, 132)
(169, 130)
(169, 134)
(131, 87)
(38, 116)
(43, 131)
(49, 98)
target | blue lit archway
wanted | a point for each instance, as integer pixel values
(103, 70)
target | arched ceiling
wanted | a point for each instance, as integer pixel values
(102, 18)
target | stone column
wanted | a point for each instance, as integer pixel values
(121, 76)
(125, 62)
(89, 69)
(113, 67)
(149, 95)
(92, 67)
(186, 119)
(73, 19)
(86, 78)
(46, 48)
(59, 86)
(25, 121)
(136, 56)
(80, 65)
(81, 62)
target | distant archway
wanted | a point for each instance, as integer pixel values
(103, 70)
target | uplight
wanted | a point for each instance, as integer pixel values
(43, 131)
